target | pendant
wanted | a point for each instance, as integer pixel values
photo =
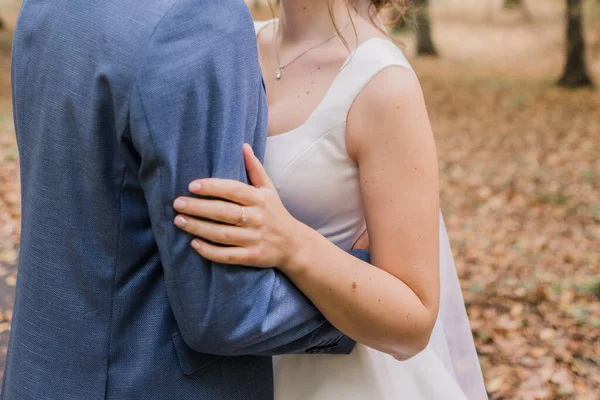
(279, 73)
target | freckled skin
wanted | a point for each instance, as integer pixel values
(354, 285)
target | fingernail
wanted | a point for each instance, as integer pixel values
(180, 221)
(179, 204)
(195, 186)
(195, 244)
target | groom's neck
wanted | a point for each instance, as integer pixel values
(310, 19)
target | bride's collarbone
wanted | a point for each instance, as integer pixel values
(300, 91)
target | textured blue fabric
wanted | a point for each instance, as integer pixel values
(118, 105)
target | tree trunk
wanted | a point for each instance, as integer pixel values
(575, 72)
(425, 46)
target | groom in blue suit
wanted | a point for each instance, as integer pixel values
(118, 105)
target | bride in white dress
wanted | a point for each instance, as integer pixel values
(350, 148)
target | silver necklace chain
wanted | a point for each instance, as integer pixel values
(279, 73)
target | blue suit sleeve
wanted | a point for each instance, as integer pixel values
(197, 99)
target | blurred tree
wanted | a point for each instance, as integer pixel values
(513, 3)
(425, 46)
(575, 72)
(519, 5)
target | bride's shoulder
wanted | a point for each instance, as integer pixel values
(378, 48)
(382, 56)
(391, 98)
(389, 85)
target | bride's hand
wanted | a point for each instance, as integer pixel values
(245, 225)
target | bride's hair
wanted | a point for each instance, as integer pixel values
(399, 8)
(400, 5)
(375, 7)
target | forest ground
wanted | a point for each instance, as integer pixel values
(520, 190)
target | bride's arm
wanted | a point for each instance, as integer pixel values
(391, 305)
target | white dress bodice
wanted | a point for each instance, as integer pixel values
(319, 184)
(316, 179)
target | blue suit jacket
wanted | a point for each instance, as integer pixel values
(118, 105)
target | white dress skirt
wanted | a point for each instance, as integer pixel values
(319, 184)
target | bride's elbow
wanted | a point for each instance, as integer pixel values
(412, 349)
(418, 340)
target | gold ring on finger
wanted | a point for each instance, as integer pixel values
(242, 217)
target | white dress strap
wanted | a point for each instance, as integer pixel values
(364, 64)
(260, 25)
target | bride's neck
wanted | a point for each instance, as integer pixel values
(310, 19)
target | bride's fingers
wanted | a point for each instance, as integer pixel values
(256, 172)
(221, 255)
(226, 189)
(216, 210)
(215, 232)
